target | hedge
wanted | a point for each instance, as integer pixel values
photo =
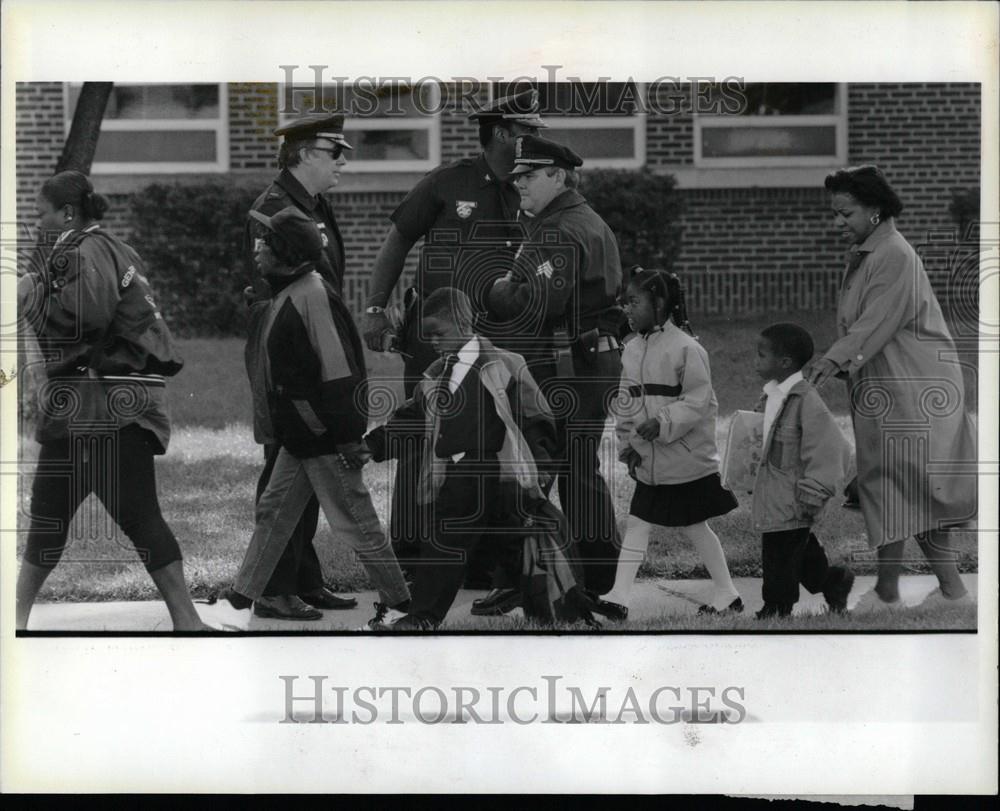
(643, 209)
(191, 237)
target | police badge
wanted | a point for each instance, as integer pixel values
(463, 208)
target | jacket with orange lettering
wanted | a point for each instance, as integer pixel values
(307, 358)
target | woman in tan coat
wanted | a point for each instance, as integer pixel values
(915, 440)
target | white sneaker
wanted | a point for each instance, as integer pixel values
(871, 603)
(936, 599)
(384, 617)
(219, 613)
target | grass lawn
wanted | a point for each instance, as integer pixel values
(207, 480)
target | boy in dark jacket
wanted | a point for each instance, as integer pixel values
(485, 426)
(804, 462)
(312, 367)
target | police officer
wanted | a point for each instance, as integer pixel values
(561, 298)
(466, 212)
(311, 158)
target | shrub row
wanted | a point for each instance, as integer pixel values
(191, 237)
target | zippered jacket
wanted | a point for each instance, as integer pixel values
(804, 462)
(305, 355)
(106, 344)
(665, 375)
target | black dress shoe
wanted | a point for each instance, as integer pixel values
(735, 607)
(285, 607)
(327, 600)
(496, 603)
(613, 611)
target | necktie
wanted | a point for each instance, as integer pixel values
(442, 394)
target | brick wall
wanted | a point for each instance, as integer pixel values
(670, 131)
(363, 218)
(925, 136)
(253, 115)
(39, 141)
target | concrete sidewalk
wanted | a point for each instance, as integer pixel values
(651, 599)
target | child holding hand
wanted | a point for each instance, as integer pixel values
(804, 462)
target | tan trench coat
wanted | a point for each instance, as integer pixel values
(915, 439)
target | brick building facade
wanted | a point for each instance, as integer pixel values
(756, 233)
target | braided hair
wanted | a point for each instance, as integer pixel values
(667, 286)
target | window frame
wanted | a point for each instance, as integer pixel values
(430, 123)
(635, 122)
(220, 125)
(838, 119)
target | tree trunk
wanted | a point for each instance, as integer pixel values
(78, 153)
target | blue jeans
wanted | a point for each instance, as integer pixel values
(348, 508)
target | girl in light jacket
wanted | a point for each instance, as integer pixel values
(665, 422)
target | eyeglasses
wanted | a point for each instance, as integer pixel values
(336, 152)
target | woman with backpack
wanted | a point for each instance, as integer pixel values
(102, 413)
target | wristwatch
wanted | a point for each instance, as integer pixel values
(375, 310)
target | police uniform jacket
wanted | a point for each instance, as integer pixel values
(467, 215)
(568, 272)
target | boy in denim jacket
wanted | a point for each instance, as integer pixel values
(804, 462)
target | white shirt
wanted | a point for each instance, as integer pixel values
(466, 358)
(776, 393)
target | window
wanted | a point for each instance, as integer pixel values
(778, 125)
(601, 121)
(160, 128)
(393, 127)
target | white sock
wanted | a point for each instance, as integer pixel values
(633, 552)
(706, 543)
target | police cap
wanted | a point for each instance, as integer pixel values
(296, 228)
(532, 152)
(520, 107)
(321, 125)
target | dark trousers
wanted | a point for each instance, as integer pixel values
(118, 467)
(580, 405)
(483, 567)
(472, 510)
(791, 557)
(299, 570)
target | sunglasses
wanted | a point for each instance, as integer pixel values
(336, 152)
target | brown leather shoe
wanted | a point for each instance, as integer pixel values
(285, 607)
(327, 600)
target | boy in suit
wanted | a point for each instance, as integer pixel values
(804, 462)
(485, 427)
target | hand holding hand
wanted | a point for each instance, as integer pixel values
(631, 457)
(649, 430)
(373, 327)
(822, 370)
(354, 455)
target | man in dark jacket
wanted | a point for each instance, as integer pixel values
(311, 362)
(560, 302)
(311, 159)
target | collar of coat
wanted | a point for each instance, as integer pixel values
(570, 198)
(883, 231)
(487, 353)
(800, 388)
(297, 191)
